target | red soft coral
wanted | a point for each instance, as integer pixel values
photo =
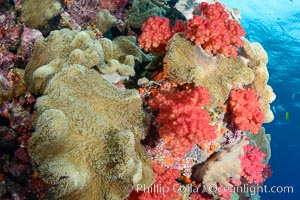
(182, 119)
(244, 110)
(214, 31)
(156, 32)
(164, 188)
(252, 166)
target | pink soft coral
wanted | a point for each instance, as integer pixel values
(164, 188)
(214, 31)
(156, 32)
(182, 119)
(252, 166)
(244, 109)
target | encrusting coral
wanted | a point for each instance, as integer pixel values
(65, 47)
(87, 138)
(36, 14)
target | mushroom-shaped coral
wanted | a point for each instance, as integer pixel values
(257, 61)
(65, 47)
(87, 138)
(221, 166)
(188, 63)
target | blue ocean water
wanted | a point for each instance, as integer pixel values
(276, 25)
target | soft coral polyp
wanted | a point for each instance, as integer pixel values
(182, 119)
(214, 31)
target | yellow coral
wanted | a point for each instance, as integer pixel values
(188, 63)
(257, 59)
(87, 139)
(64, 47)
(36, 13)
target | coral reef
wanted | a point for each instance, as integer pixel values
(37, 13)
(112, 5)
(188, 63)
(182, 119)
(79, 14)
(108, 121)
(262, 140)
(72, 47)
(11, 84)
(257, 61)
(251, 163)
(163, 177)
(141, 10)
(220, 167)
(214, 31)
(17, 178)
(16, 40)
(156, 34)
(244, 110)
(87, 137)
